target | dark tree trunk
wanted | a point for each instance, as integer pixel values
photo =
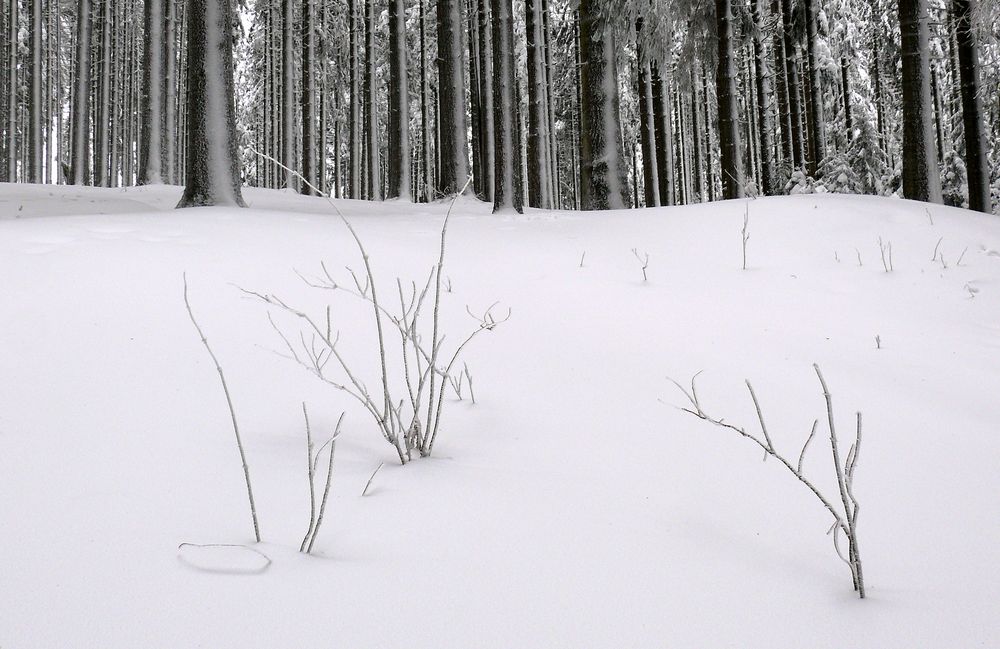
(664, 136)
(454, 149)
(425, 121)
(213, 175)
(725, 81)
(647, 121)
(846, 83)
(399, 104)
(308, 96)
(355, 129)
(170, 97)
(920, 175)
(765, 124)
(696, 149)
(604, 183)
(35, 153)
(817, 123)
(539, 185)
(508, 190)
(792, 78)
(487, 125)
(80, 119)
(938, 114)
(150, 166)
(288, 92)
(372, 141)
(972, 111)
(784, 115)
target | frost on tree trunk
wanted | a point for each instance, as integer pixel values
(664, 138)
(80, 118)
(972, 113)
(454, 149)
(288, 93)
(35, 94)
(508, 190)
(399, 102)
(488, 124)
(307, 97)
(372, 142)
(725, 83)
(213, 176)
(539, 186)
(355, 116)
(603, 183)
(151, 165)
(647, 120)
(921, 181)
(765, 124)
(817, 125)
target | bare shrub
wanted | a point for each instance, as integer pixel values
(844, 521)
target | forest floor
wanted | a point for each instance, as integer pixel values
(574, 505)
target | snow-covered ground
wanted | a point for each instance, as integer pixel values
(574, 505)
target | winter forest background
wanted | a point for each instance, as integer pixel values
(550, 103)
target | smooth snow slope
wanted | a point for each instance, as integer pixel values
(574, 505)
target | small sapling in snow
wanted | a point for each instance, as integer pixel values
(643, 260)
(845, 519)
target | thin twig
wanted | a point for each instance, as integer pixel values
(232, 411)
(369, 483)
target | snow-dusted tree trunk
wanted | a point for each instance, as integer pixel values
(603, 173)
(487, 124)
(170, 95)
(765, 123)
(10, 118)
(307, 96)
(725, 83)
(845, 82)
(399, 104)
(976, 143)
(425, 120)
(664, 136)
(212, 168)
(288, 92)
(539, 169)
(508, 194)
(151, 150)
(920, 175)
(80, 119)
(34, 73)
(784, 121)
(817, 123)
(102, 138)
(647, 120)
(454, 147)
(797, 135)
(355, 112)
(372, 142)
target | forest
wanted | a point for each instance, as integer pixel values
(552, 104)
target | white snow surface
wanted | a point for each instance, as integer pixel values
(574, 505)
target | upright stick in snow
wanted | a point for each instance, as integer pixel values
(213, 176)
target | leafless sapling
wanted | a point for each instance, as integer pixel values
(845, 520)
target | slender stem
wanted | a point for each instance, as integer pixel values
(232, 412)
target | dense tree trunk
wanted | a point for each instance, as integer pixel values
(307, 98)
(35, 153)
(972, 114)
(150, 167)
(539, 184)
(846, 83)
(213, 176)
(765, 123)
(487, 124)
(102, 140)
(454, 149)
(288, 93)
(664, 136)
(604, 183)
(647, 120)
(425, 121)
(399, 104)
(920, 176)
(784, 121)
(355, 112)
(80, 119)
(170, 96)
(508, 190)
(725, 82)
(372, 141)
(817, 122)
(938, 114)
(797, 136)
